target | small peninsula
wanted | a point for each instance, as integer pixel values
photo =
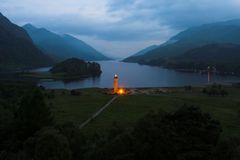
(75, 67)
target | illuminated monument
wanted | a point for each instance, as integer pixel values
(210, 71)
(115, 84)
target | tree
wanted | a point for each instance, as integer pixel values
(6, 126)
(48, 144)
(77, 141)
(187, 134)
(33, 114)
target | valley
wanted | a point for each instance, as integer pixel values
(172, 93)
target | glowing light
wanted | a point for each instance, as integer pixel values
(121, 91)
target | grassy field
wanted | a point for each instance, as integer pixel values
(76, 109)
(126, 110)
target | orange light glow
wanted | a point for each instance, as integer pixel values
(121, 91)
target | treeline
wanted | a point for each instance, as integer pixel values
(28, 131)
(77, 67)
(224, 57)
(221, 68)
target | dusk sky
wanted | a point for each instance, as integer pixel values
(119, 27)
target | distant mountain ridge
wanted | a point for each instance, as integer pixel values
(224, 57)
(62, 47)
(143, 51)
(17, 50)
(215, 44)
(220, 32)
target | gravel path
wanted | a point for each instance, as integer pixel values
(97, 113)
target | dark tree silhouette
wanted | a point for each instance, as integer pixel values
(33, 114)
(187, 134)
(48, 144)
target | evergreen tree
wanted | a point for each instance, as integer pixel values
(33, 114)
(48, 144)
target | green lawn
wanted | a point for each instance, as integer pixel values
(69, 108)
(126, 110)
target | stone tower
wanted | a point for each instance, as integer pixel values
(115, 84)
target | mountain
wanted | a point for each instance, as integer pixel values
(221, 32)
(224, 57)
(17, 50)
(62, 47)
(143, 51)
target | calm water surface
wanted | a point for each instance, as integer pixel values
(134, 75)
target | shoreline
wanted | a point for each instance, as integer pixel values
(147, 88)
(200, 71)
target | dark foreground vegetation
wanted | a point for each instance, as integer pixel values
(28, 130)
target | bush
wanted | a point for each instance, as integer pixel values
(188, 88)
(204, 90)
(223, 92)
(63, 92)
(75, 93)
(51, 95)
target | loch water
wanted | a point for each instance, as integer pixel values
(133, 75)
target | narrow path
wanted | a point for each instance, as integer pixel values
(97, 113)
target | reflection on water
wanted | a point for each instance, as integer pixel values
(135, 75)
(96, 78)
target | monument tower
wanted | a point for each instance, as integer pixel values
(115, 84)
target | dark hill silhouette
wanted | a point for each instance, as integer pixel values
(17, 50)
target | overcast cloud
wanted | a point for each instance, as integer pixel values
(119, 27)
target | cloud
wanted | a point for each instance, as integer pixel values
(91, 18)
(178, 14)
(121, 23)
